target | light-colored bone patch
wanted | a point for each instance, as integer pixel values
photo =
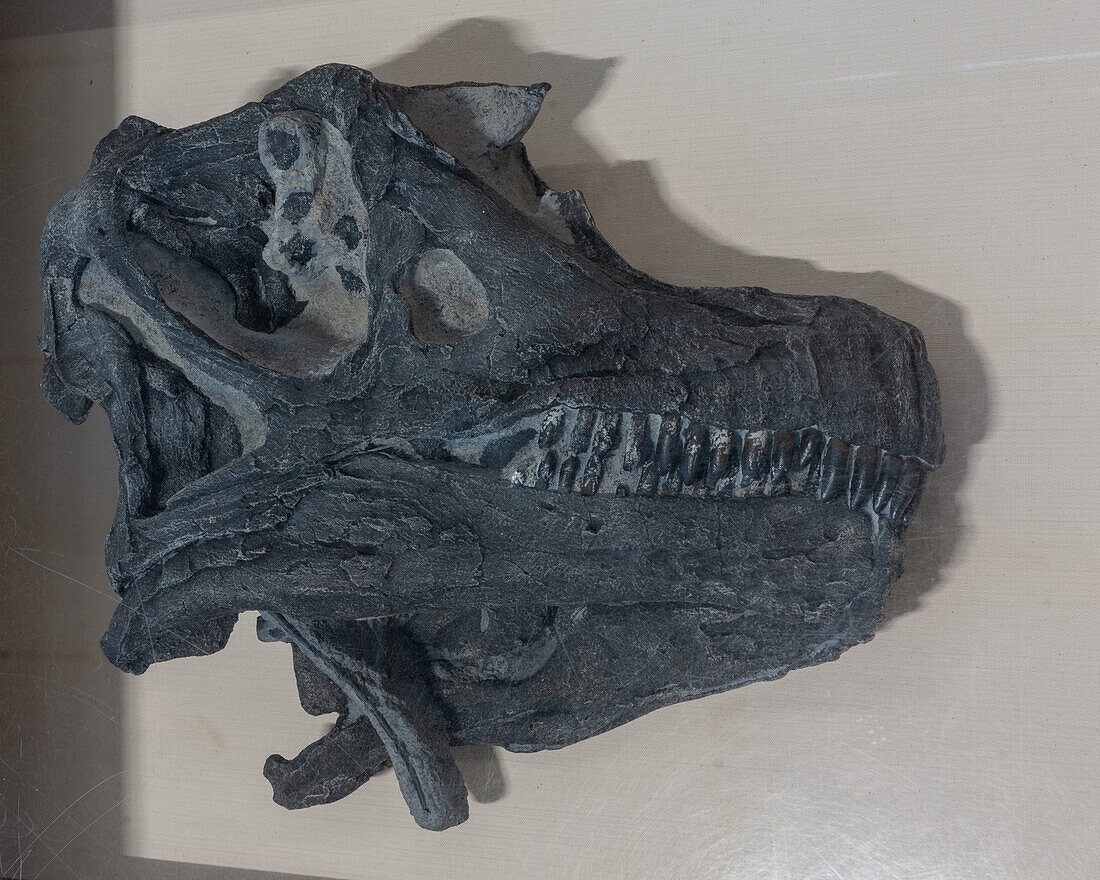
(322, 249)
(310, 346)
(447, 302)
(318, 236)
(100, 288)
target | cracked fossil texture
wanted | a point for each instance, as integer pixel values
(369, 376)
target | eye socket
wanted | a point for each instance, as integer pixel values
(309, 346)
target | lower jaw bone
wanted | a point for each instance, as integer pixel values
(744, 592)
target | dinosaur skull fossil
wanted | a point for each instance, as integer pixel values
(369, 376)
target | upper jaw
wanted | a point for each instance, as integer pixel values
(793, 363)
(636, 453)
(816, 396)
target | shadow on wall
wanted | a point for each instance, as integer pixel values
(633, 213)
(482, 771)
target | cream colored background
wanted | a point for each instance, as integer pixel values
(936, 159)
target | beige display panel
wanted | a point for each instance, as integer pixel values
(935, 159)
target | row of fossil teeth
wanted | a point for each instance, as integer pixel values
(595, 452)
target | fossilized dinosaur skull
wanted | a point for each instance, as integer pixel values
(368, 375)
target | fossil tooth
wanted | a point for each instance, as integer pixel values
(864, 470)
(604, 436)
(719, 457)
(551, 428)
(581, 435)
(888, 472)
(809, 447)
(593, 473)
(908, 513)
(647, 478)
(735, 456)
(668, 442)
(908, 483)
(672, 483)
(637, 447)
(783, 442)
(754, 457)
(568, 473)
(834, 469)
(695, 451)
(606, 433)
(548, 467)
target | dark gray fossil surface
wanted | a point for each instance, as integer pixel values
(368, 375)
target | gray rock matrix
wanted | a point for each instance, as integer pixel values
(368, 375)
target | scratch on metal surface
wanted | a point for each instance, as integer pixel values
(138, 611)
(62, 574)
(889, 767)
(25, 825)
(969, 66)
(853, 78)
(83, 830)
(29, 187)
(102, 782)
(821, 856)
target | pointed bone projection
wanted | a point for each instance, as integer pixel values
(368, 375)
